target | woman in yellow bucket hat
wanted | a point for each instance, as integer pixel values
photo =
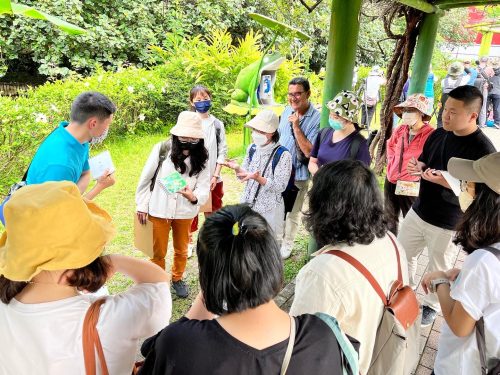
(50, 255)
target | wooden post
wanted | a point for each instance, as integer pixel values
(423, 53)
(342, 43)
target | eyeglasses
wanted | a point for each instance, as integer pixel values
(295, 95)
(193, 142)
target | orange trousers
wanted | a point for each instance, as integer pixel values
(180, 233)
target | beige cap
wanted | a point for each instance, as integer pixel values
(188, 125)
(266, 121)
(485, 170)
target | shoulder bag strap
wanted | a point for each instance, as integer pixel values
(401, 155)
(91, 341)
(164, 149)
(354, 148)
(362, 269)
(480, 336)
(289, 348)
(263, 172)
(481, 345)
(400, 276)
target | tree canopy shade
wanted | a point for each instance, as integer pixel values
(7, 7)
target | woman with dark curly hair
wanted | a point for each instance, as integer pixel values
(346, 213)
(167, 208)
(471, 305)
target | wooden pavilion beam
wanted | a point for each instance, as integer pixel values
(421, 5)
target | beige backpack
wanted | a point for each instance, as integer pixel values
(397, 341)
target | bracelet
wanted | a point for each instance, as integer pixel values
(436, 282)
(195, 201)
(215, 176)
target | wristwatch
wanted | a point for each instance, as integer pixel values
(436, 282)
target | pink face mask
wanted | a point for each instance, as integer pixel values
(410, 118)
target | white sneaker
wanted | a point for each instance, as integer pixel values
(191, 249)
(286, 250)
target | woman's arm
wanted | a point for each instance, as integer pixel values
(313, 165)
(459, 321)
(143, 192)
(140, 271)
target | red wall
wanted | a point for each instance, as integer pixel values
(477, 16)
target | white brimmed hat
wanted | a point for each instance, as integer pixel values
(266, 121)
(188, 125)
(485, 170)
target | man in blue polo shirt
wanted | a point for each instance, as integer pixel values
(63, 155)
(299, 126)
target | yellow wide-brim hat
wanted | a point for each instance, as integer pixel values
(51, 227)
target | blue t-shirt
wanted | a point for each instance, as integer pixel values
(429, 86)
(327, 152)
(61, 157)
(473, 76)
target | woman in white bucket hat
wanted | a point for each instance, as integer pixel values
(266, 171)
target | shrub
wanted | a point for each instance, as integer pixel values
(146, 100)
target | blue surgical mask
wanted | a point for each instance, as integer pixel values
(203, 106)
(335, 125)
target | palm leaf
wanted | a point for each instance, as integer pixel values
(7, 7)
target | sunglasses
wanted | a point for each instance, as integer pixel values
(193, 142)
(295, 95)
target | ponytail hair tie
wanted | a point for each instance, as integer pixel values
(236, 229)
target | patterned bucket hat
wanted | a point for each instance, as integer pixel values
(346, 105)
(417, 101)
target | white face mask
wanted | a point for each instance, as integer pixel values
(465, 199)
(410, 118)
(100, 139)
(259, 139)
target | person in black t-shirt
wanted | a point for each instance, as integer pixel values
(431, 221)
(241, 271)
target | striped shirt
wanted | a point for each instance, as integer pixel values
(309, 124)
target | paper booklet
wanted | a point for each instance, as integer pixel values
(99, 163)
(172, 183)
(453, 182)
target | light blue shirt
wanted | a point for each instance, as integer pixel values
(309, 124)
(61, 157)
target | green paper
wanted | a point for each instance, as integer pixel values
(173, 182)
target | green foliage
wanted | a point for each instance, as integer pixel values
(147, 100)
(118, 31)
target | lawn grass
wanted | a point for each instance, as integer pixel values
(129, 155)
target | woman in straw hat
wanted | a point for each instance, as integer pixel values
(470, 297)
(342, 139)
(185, 164)
(50, 253)
(406, 143)
(265, 175)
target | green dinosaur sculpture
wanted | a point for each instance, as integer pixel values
(245, 88)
